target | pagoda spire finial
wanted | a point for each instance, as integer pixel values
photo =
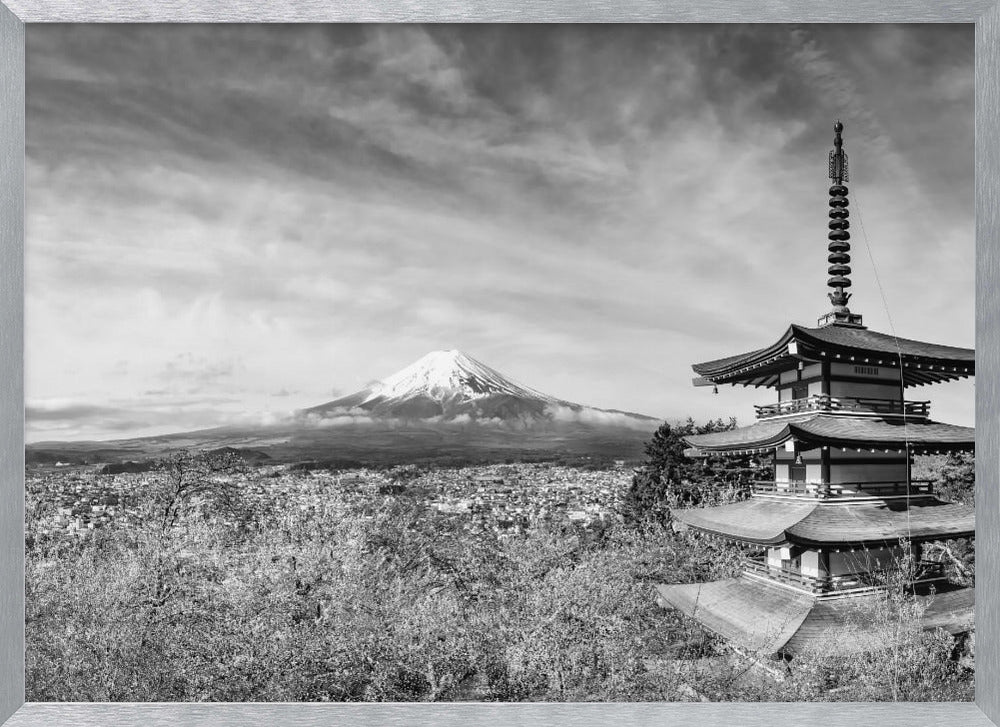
(839, 247)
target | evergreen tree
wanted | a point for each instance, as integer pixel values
(669, 479)
(955, 478)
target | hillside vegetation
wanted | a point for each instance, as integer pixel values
(239, 583)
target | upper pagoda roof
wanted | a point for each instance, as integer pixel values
(837, 430)
(923, 363)
(767, 521)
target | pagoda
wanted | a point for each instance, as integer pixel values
(841, 508)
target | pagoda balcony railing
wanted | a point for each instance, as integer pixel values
(835, 490)
(841, 584)
(825, 402)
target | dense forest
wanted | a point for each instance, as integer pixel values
(209, 594)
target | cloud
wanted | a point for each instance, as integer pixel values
(588, 415)
(68, 412)
(55, 418)
(344, 417)
(239, 210)
(189, 368)
(44, 420)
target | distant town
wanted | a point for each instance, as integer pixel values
(74, 501)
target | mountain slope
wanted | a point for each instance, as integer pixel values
(452, 386)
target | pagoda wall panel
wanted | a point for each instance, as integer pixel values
(812, 371)
(873, 472)
(774, 558)
(808, 455)
(853, 472)
(864, 560)
(785, 391)
(865, 466)
(864, 371)
(811, 375)
(864, 390)
(853, 456)
(812, 564)
(814, 471)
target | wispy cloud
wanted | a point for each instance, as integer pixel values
(240, 210)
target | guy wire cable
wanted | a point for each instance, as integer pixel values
(899, 355)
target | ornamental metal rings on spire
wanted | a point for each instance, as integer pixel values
(839, 245)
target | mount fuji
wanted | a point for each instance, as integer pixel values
(446, 407)
(451, 386)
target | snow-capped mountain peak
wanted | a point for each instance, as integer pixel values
(451, 386)
(441, 375)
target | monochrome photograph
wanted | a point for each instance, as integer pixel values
(499, 363)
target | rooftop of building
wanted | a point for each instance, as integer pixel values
(830, 524)
(922, 362)
(766, 618)
(843, 430)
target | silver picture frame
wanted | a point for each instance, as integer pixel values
(14, 14)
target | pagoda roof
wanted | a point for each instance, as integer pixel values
(767, 618)
(953, 611)
(923, 363)
(765, 520)
(839, 430)
(748, 612)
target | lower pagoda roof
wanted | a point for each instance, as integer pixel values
(837, 430)
(773, 521)
(766, 618)
(750, 613)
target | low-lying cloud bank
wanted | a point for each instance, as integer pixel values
(71, 420)
(77, 420)
(599, 417)
(553, 414)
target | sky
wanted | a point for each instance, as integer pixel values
(228, 223)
